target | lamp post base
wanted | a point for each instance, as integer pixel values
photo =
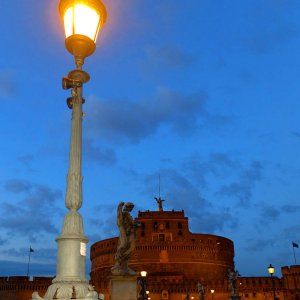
(68, 290)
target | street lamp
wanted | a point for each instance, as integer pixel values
(82, 21)
(212, 294)
(143, 283)
(271, 271)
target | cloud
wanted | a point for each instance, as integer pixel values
(167, 56)
(295, 134)
(14, 268)
(2, 241)
(291, 233)
(289, 208)
(106, 224)
(242, 188)
(269, 213)
(127, 121)
(7, 84)
(17, 186)
(26, 160)
(33, 214)
(217, 164)
(41, 255)
(97, 154)
(184, 193)
(259, 244)
(212, 221)
(268, 31)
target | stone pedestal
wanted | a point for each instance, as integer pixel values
(123, 287)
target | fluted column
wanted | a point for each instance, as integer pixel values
(71, 259)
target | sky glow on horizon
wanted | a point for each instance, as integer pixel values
(204, 93)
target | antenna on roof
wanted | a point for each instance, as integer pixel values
(159, 185)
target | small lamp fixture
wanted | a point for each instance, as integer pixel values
(212, 291)
(82, 21)
(271, 270)
(143, 273)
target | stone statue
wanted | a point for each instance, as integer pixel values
(127, 227)
(232, 276)
(200, 290)
(159, 202)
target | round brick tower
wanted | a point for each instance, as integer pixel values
(174, 258)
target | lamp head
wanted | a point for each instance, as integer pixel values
(83, 20)
(143, 273)
(271, 270)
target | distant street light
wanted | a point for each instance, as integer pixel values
(143, 283)
(271, 271)
(212, 294)
(82, 21)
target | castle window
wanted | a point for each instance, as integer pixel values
(161, 237)
(143, 233)
(155, 225)
(142, 225)
(179, 232)
(167, 225)
(179, 225)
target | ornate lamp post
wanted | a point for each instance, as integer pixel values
(271, 271)
(82, 21)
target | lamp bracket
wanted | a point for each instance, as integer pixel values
(80, 75)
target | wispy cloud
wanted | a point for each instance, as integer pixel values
(26, 161)
(241, 189)
(41, 255)
(32, 215)
(295, 134)
(99, 154)
(106, 225)
(290, 208)
(166, 57)
(17, 186)
(127, 121)
(14, 268)
(184, 193)
(259, 244)
(268, 31)
(269, 213)
(217, 164)
(7, 84)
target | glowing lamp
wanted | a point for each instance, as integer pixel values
(271, 270)
(82, 20)
(143, 273)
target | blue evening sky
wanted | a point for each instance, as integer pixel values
(205, 93)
